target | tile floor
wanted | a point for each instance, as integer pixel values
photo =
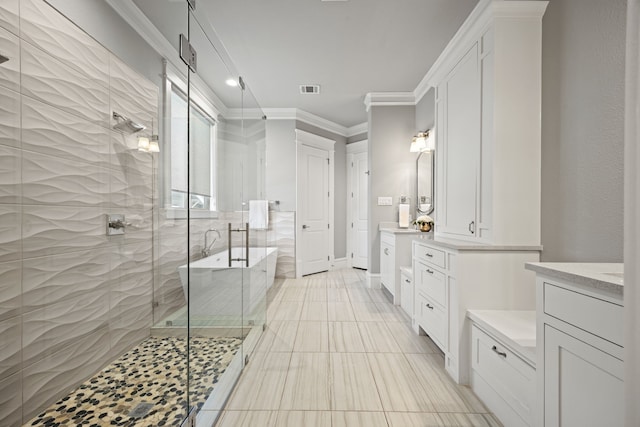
(336, 353)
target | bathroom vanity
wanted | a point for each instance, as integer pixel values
(452, 276)
(580, 331)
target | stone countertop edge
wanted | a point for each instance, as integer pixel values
(515, 328)
(462, 245)
(586, 274)
(407, 270)
(399, 230)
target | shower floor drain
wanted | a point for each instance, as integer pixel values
(141, 410)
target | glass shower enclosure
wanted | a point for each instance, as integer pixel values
(213, 264)
(134, 266)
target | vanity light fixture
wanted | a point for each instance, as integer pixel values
(423, 141)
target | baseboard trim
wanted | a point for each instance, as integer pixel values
(373, 280)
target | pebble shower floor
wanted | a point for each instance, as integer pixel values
(146, 386)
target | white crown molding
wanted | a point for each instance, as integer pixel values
(388, 99)
(303, 116)
(357, 129)
(328, 125)
(471, 30)
(139, 22)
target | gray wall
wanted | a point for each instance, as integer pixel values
(392, 168)
(102, 23)
(582, 130)
(425, 111)
(280, 179)
(357, 138)
(340, 180)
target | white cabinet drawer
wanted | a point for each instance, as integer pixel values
(430, 255)
(431, 282)
(432, 319)
(509, 376)
(599, 317)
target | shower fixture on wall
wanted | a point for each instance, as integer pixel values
(126, 125)
(3, 58)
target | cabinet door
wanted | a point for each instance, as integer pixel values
(583, 385)
(387, 267)
(406, 295)
(461, 146)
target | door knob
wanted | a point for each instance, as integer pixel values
(305, 226)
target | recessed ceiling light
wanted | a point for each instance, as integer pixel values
(232, 83)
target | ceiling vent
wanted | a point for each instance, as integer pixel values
(305, 89)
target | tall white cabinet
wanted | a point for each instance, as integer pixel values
(488, 101)
(488, 84)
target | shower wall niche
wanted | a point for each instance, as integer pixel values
(71, 298)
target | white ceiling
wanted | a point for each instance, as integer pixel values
(349, 47)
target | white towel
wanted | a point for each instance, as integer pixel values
(259, 214)
(403, 215)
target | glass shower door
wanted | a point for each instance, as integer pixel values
(227, 272)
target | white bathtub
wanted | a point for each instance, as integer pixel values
(219, 290)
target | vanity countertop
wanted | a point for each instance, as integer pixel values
(514, 327)
(462, 245)
(399, 230)
(603, 276)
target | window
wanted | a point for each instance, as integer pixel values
(202, 156)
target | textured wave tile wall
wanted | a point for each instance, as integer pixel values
(49, 130)
(171, 248)
(10, 70)
(9, 18)
(9, 117)
(44, 380)
(56, 181)
(71, 298)
(59, 37)
(130, 295)
(282, 235)
(10, 173)
(10, 232)
(10, 290)
(132, 95)
(53, 82)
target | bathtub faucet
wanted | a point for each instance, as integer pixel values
(206, 251)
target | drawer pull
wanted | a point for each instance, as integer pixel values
(429, 255)
(386, 251)
(498, 352)
(429, 271)
(430, 307)
(407, 280)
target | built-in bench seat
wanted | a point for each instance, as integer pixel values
(503, 360)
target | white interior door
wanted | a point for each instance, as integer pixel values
(313, 216)
(359, 210)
